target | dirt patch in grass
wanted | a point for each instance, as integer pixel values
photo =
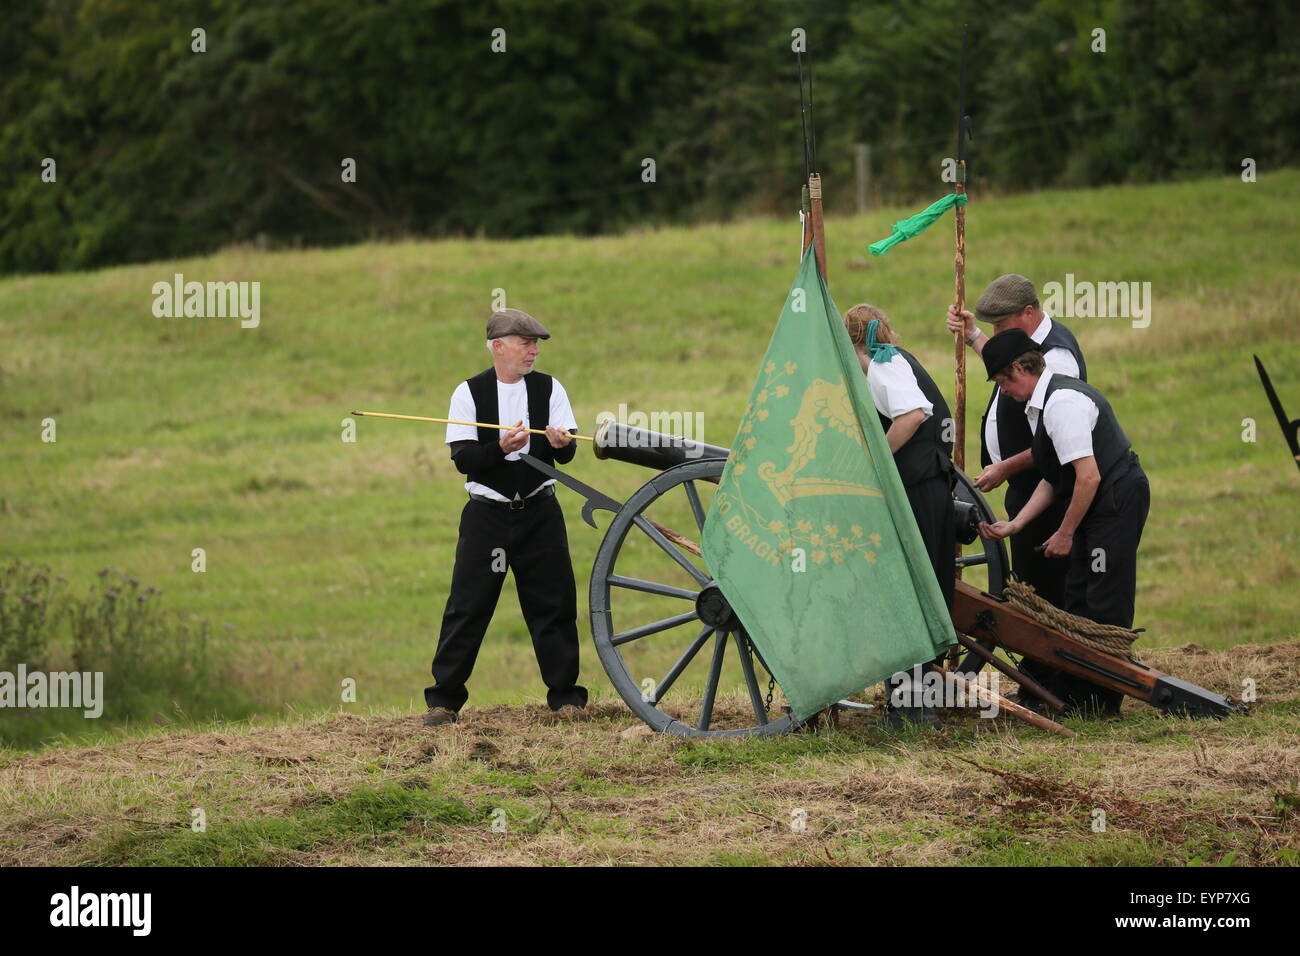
(518, 785)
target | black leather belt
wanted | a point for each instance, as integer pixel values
(518, 504)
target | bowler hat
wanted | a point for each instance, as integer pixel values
(1004, 348)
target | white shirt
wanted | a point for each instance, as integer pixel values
(894, 388)
(1069, 418)
(512, 405)
(1057, 360)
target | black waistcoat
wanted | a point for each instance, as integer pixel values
(512, 478)
(927, 453)
(1014, 435)
(1110, 446)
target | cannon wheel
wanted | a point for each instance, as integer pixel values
(993, 555)
(703, 616)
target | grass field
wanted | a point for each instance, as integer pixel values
(511, 785)
(330, 560)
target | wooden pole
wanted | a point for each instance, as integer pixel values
(959, 260)
(818, 226)
(959, 291)
(1017, 675)
(959, 268)
(452, 421)
(1028, 716)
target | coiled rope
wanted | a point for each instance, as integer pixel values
(1107, 638)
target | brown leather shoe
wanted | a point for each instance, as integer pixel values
(437, 716)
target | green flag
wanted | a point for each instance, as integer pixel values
(915, 225)
(810, 535)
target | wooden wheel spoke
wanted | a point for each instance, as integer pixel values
(751, 680)
(696, 507)
(654, 628)
(676, 670)
(671, 550)
(715, 677)
(623, 574)
(652, 587)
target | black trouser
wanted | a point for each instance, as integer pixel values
(1101, 581)
(1047, 575)
(533, 542)
(931, 502)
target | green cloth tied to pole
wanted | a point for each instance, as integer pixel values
(905, 229)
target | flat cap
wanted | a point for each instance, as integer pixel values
(1004, 348)
(1005, 295)
(515, 322)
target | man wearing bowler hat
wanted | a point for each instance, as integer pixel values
(1011, 302)
(1086, 461)
(512, 519)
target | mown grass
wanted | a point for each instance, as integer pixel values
(364, 816)
(332, 560)
(515, 785)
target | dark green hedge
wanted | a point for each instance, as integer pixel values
(164, 152)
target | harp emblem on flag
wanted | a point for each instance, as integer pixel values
(825, 421)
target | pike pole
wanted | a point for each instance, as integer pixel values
(453, 421)
(813, 227)
(959, 262)
(959, 270)
(815, 231)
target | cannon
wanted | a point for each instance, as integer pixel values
(655, 608)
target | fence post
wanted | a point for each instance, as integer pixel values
(862, 166)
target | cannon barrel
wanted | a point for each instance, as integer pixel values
(639, 446)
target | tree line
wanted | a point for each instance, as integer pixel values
(144, 129)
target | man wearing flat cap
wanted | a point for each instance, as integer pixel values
(1085, 461)
(512, 519)
(1011, 302)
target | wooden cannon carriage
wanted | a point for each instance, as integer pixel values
(650, 588)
